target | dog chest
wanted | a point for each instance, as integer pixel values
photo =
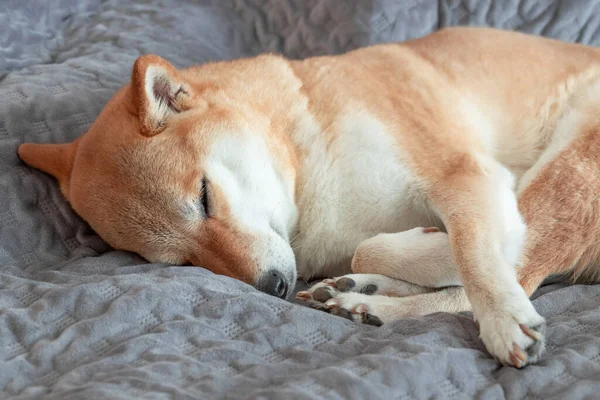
(356, 185)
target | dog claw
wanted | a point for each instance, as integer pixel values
(530, 332)
(515, 360)
(332, 303)
(519, 353)
(303, 295)
(518, 357)
(361, 309)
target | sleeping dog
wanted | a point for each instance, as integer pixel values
(266, 169)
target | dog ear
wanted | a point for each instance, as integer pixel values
(54, 159)
(158, 93)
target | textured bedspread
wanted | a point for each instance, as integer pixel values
(81, 321)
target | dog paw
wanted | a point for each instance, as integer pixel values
(367, 309)
(367, 284)
(513, 339)
(362, 308)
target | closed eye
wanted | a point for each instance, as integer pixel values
(205, 199)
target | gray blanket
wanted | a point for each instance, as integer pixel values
(81, 321)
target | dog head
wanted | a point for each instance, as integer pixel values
(188, 167)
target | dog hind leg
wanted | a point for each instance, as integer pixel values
(401, 264)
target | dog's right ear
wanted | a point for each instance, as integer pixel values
(159, 92)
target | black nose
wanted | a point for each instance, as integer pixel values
(274, 284)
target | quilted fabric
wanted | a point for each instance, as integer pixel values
(81, 321)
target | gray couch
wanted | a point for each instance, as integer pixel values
(81, 321)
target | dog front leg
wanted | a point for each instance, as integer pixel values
(486, 231)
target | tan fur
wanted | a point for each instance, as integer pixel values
(497, 133)
(54, 159)
(562, 208)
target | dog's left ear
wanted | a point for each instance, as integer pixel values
(159, 92)
(53, 159)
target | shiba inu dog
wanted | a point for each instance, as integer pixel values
(452, 172)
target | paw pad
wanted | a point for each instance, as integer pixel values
(322, 294)
(369, 289)
(370, 319)
(341, 312)
(345, 284)
(359, 313)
